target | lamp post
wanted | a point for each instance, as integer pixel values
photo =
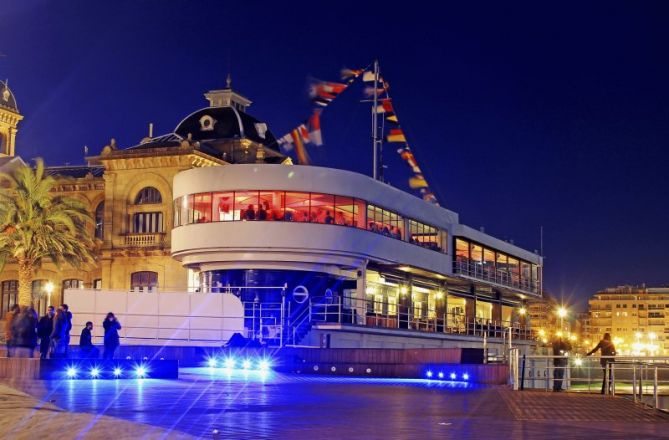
(562, 312)
(49, 289)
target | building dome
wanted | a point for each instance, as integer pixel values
(225, 123)
(7, 99)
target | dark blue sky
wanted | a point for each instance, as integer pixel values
(520, 116)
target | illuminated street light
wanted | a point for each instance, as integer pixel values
(562, 313)
(522, 311)
(48, 288)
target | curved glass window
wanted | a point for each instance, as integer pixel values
(305, 207)
(148, 195)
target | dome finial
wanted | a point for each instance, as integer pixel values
(228, 81)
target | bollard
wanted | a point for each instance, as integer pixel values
(216, 435)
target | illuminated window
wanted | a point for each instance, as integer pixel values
(246, 205)
(148, 195)
(346, 211)
(424, 235)
(271, 205)
(384, 222)
(223, 206)
(322, 208)
(297, 207)
(461, 250)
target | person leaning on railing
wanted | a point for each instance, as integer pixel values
(608, 350)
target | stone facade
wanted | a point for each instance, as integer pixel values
(133, 232)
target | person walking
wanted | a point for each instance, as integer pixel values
(86, 347)
(68, 327)
(44, 329)
(58, 334)
(111, 326)
(561, 349)
(608, 350)
(13, 311)
(24, 333)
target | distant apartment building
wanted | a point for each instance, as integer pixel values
(543, 315)
(634, 316)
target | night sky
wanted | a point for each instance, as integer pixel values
(520, 116)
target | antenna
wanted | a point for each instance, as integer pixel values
(541, 241)
(375, 122)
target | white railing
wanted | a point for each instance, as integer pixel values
(645, 379)
(144, 240)
(503, 278)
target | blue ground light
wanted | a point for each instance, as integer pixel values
(442, 373)
(248, 403)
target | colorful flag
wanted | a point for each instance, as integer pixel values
(396, 135)
(315, 134)
(286, 141)
(323, 92)
(418, 181)
(386, 107)
(350, 74)
(302, 156)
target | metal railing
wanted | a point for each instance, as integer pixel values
(481, 272)
(371, 313)
(645, 379)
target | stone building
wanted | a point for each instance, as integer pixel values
(129, 193)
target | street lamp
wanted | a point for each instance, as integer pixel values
(49, 289)
(562, 313)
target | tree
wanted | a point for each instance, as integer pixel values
(37, 225)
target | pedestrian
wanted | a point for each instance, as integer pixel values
(68, 327)
(608, 350)
(24, 333)
(58, 334)
(111, 326)
(13, 311)
(44, 329)
(561, 350)
(86, 347)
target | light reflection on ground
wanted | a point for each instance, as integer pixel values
(253, 403)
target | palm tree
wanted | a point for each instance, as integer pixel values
(37, 225)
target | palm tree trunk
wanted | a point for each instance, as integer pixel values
(25, 284)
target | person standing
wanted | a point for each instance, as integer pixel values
(608, 350)
(560, 361)
(13, 311)
(111, 326)
(58, 334)
(68, 327)
(24, 333)
(44, 329)
(86, 347)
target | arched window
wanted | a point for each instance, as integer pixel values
(10, 292)
(100, 221)
(143, 280)
(148, 196)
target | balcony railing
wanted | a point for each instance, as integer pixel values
(478, 271)
(144, 240)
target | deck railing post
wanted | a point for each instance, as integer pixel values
(656, 397)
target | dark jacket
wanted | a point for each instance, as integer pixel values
(24, 329)
(59, 326)
(85, 340)
(68, 318)
(607, 348)
(45, 327)
(111, 332)
(560, 348)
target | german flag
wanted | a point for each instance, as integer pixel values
(396, 135)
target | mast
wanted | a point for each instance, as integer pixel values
(376, 142)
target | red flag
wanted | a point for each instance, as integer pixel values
(302, 156)
(315, 134)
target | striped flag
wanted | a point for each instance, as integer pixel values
(396, 135)
(315, 134)
(323, 92)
